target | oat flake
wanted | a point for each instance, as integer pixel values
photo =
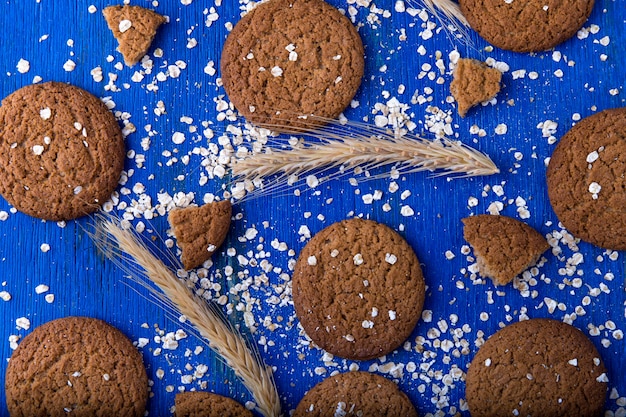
(125, 25)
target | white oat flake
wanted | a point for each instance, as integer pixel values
(23, 66)
(38, 149)
(592, 157)
(594, 189)
(45, 113)
(276, 71)
(22, 323)
(407, 211)
(602, 378)
(125, 25)
(390, 258)
(41, 288)
(69, 65)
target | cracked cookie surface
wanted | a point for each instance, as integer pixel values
(290, 58)
(358, 289)
(586, 179)
(76, 366)
(355, 394)
(208, 404)
(537, 367)
(526, 25)
(61, 151)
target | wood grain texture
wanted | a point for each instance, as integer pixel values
(84, 283)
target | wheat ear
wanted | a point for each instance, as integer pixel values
(450, 10)
(367, 148)
(207, 319)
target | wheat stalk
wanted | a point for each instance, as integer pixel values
(365, 147)
(450, 10)
(207, 319)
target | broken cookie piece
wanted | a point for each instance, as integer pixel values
(134, 27)
(474, 82)
(199, 231)
(504, 247)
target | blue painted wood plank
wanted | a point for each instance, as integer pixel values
(49, 33)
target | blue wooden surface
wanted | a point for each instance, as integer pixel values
(83, 283)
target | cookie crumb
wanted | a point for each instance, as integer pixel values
(473, 83)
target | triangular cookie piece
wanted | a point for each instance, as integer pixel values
(473, 83)
(504, 247)
(134, 28)
(199, 231)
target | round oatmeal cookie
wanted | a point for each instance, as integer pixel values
(61, 151)
(355, 394)
(291, 58)
(76, 366)
(358, 289)
(586, 183)
(538, 367)
(526, 25)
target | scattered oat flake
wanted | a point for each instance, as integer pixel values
(44, 247)
(5, 296)
(407, 211)
(41, 288)
(69, 65)
(22, 323)
(23, 66)
(178, 138)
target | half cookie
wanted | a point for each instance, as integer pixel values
(474, 82)
(134, 28)
(538, 367)
(200, 231)
(355, 394)
(586, 180)
(504, 247)
(526, 25)
(76, 366)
